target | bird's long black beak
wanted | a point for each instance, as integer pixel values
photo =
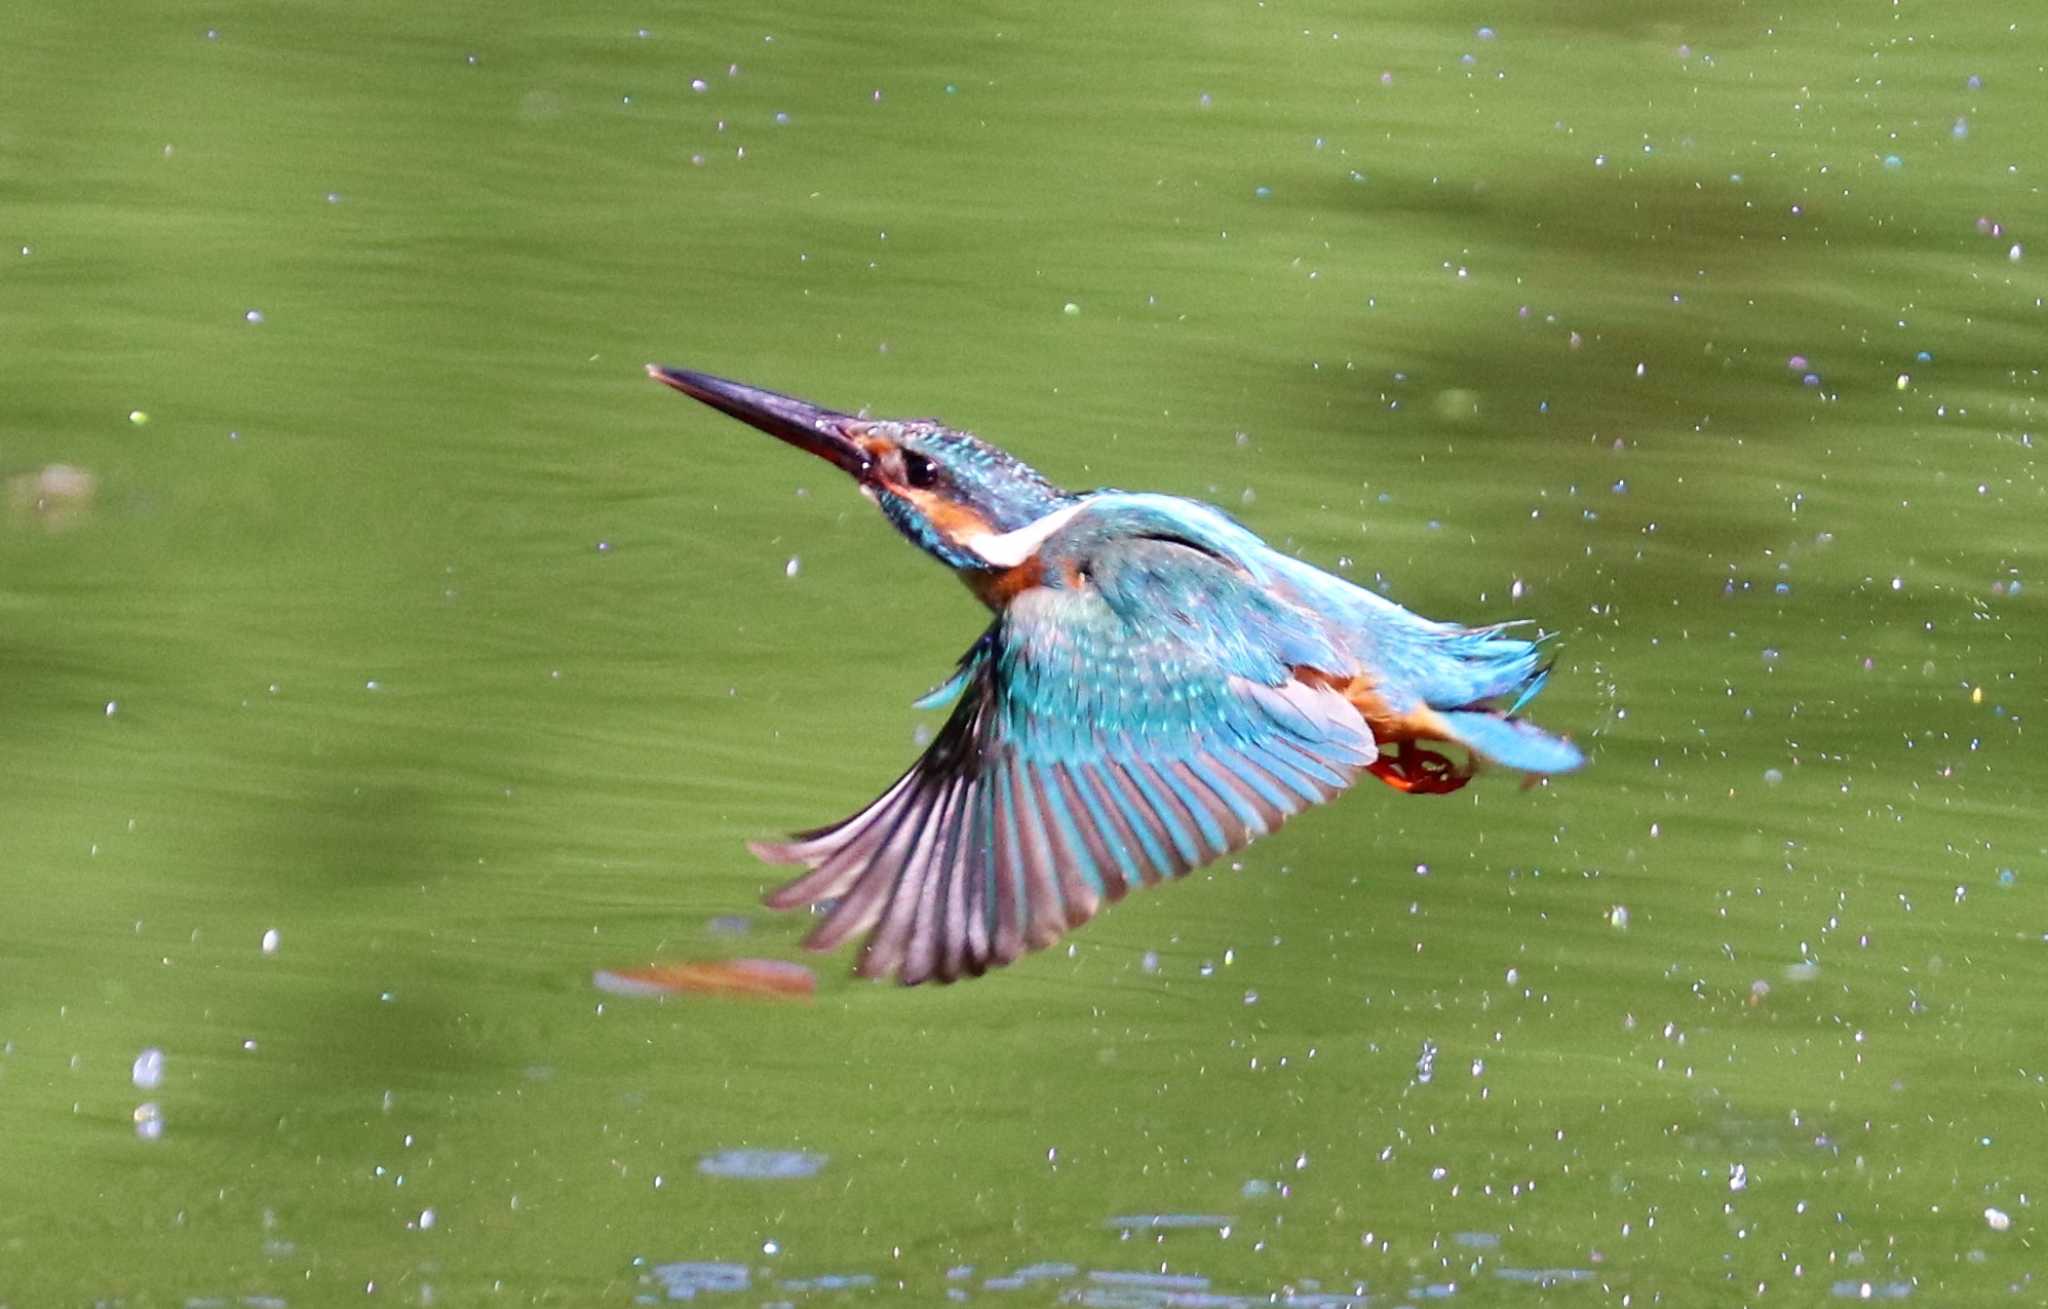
(826, 434)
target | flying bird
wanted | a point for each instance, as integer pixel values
(1158, 688)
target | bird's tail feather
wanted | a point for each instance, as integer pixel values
(1513, 742)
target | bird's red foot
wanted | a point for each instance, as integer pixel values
(1416, 771)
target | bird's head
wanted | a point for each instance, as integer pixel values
(964, 501)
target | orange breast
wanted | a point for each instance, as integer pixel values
(1390, 726)
(997, 589)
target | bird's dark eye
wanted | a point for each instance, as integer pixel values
(919, 471)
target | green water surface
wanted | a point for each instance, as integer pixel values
(388, 608)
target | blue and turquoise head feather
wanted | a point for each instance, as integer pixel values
(942, 488)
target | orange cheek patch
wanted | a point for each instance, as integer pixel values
(953, 521)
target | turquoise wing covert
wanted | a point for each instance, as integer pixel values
(1137, 717)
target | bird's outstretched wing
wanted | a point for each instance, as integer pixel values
(1154, 712)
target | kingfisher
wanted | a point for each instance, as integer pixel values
(1158, 687)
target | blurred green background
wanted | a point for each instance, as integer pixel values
(356, 586)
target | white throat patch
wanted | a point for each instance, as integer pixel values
(1009, 549)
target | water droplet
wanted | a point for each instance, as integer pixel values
(149, 1121)
(793, 567)
(148, 1072)
(761, 1165)
(253, 316)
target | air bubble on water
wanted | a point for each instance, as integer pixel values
(1773, 776)
(1515, 591)
(1203, 100)
(2015, 253)
(426, 1220)
(1617, 917)
(1251, 997)
(149, 1121)
(1960, 130)
(1149, 961)
(793, 567)
(271, 941)
(253, 316)
(148, 1072)
(699, 85)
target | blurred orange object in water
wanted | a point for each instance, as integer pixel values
(770, 979)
